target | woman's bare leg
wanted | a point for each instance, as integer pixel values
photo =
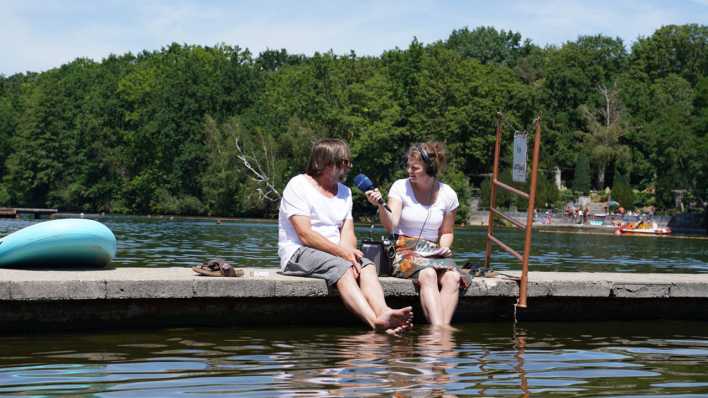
(430, 298)
(449, 294)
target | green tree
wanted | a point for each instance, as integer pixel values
(273, 60)
(675, 154)
(167, 95)
(155, 132)
(488, 45)
(47, 155)
(547, 194)
(581, 181)
(622, 192)
(576, 69)
(572, 73)
(603, 138)
(701, 133)
(249, 168)
(665, 73)
(7, 129)
(504, 198)
(674, 49)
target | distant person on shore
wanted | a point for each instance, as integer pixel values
(316, 238)
(422, 214)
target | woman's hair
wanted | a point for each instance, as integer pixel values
(327, 152)
(432, 154)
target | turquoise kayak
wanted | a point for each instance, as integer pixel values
(68, 242)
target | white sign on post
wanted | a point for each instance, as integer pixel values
(519, 171)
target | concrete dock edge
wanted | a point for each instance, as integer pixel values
(40, 300)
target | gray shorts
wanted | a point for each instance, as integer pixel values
(314, 263)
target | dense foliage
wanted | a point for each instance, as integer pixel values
(622, 192)
(214, 130)
(581, 181)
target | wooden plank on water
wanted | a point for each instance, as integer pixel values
(36, 211)
(13, 212)
(7, 212)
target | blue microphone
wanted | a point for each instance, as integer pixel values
(364, 184)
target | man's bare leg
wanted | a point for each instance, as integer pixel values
(389, 320)
(430, 298)
(373, 291)
(396, 321)
(354, 298)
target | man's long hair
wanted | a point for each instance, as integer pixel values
(327, 152)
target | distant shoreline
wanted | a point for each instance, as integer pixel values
(478, 221)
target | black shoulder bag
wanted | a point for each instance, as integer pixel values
(381, 252)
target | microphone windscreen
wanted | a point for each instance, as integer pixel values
(363, 183)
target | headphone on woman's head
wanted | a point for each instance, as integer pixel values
(430, 167)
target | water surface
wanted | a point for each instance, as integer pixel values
(159, 242)
(637, 359)
(541, 359)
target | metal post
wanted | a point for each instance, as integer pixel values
(523, 285)
(493, 193)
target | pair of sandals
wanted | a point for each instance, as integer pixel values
(479, 271)
(218, 267)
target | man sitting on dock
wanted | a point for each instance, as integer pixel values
(316, 238)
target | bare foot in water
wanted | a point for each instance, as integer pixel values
(401, 330)
(444, 328)
(395, 322)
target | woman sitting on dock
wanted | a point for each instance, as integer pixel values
(423, 216)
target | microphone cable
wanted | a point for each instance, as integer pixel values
(430, 198)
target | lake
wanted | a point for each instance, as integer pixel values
(661, 359)
(161, 242)
(619, 359)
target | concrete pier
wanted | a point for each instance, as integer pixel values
(47, 300)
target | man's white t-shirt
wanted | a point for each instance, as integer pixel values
(327, 214)
(414, 214)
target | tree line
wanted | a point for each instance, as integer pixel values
(199, 130)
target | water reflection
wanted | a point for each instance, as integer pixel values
(520, 348)
(564, 360)
(436, 350)
(426, 363)
(371, 363)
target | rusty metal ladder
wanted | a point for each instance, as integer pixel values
(493, 211)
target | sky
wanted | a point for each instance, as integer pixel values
(40, 35)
